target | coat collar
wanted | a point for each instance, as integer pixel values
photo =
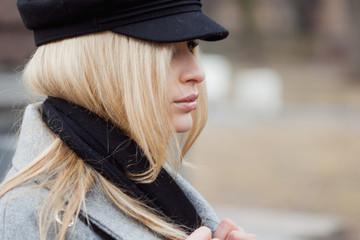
(35, 136)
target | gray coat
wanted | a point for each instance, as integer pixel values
(19, 207)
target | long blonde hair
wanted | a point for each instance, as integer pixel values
(123, 80)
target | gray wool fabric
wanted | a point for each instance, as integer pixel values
(19, 207)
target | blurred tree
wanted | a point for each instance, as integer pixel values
(248, 7)
(354, 19)
(305, 14)
(249, 39)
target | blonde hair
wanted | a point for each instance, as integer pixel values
(123, 80)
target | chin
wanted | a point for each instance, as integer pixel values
(183, 124)
(182, 130)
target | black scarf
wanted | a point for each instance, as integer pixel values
(112, 153)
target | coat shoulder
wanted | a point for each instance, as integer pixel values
(19, 210)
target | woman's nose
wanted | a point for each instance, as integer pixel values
(193, 71)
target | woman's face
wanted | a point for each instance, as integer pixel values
(184, 74)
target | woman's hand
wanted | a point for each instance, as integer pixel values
(227, 230)
(202, 233)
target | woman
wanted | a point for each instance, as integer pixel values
(98, 158)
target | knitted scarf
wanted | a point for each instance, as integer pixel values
(113, 154)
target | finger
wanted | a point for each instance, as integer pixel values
(202, 233)
(237, 235)
(253, 236)
(225, 227)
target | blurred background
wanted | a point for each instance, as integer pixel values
(280, 154)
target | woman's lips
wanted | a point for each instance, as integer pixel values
(189, 102)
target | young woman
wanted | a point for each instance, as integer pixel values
(98, 158)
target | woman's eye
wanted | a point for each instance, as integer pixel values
(192, 45)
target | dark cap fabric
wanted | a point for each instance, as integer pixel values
(156, 21)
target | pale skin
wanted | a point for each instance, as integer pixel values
(184, 74)
(227, 230)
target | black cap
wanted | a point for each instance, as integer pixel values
(150, 20)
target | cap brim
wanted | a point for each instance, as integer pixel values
(175, 28)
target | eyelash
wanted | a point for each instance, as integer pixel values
(192, 45)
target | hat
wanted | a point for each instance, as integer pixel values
(150, 20)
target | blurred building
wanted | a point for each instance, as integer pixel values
(16, 43)
(263, 30)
